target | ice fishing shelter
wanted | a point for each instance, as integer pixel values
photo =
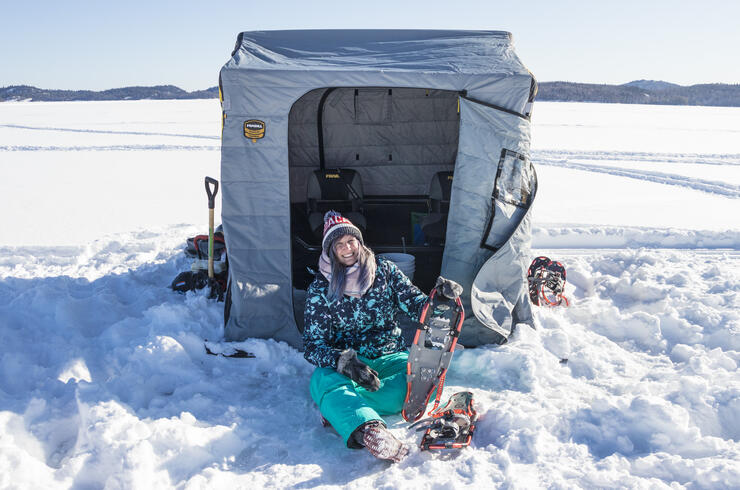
(421, 137)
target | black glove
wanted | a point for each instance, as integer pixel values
(357, 371)
(447, 288)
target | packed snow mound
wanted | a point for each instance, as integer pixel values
(105, 382)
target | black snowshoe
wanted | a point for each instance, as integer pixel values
(450, 426)
(546, 280)
(431, 352)
(190, 281)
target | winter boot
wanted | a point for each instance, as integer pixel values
(380, 442)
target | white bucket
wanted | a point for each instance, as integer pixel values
(405, 262)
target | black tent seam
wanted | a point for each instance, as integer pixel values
(320, 125)
(533, 87)
(494, 106)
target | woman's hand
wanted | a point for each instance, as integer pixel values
(357, 371)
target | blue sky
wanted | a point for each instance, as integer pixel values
(100, 44)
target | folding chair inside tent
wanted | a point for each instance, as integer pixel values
(335, 189)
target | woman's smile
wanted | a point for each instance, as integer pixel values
(347, 250)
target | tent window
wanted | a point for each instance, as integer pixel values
(512, 196)
(373, 106)
(513, 179)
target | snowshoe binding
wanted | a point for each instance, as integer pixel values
(546, 280)
(431, 352)
(450, 426)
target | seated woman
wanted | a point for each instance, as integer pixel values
(351, 334)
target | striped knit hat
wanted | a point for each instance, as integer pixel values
(335, 226)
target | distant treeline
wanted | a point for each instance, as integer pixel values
(637, 92)
(25, 92)
(642, 92)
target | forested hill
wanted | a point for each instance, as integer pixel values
(27, 93)
(637, 92)
(642, 92)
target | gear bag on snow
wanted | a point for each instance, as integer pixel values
(197, 246)
(431, 352)
(197, 277)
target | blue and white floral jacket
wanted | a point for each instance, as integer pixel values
(367, 324)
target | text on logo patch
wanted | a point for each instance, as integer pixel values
(254, 129)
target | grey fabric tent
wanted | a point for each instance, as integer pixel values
(394, 109)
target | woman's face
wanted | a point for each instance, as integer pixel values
(347, 250)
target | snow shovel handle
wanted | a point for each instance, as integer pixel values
(211, 206)
(211, 194)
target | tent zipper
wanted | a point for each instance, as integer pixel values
(464, 95)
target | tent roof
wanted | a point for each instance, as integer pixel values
(430, 51)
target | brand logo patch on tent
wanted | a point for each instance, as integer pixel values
(331, 176)
(254, 129)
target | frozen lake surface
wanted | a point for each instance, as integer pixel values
(104, 382)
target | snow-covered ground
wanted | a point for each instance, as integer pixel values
(104, 381)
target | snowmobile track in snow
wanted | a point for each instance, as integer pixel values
(112, 148)
(637, 156)
(108, 131)
(714, 187)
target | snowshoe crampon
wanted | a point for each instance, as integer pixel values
(431, 352)
(450, 426)
(546, 279)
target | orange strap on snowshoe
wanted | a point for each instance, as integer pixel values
(546, 279)
(431, 352)
(451, 426)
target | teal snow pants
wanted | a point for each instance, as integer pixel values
(346, 405)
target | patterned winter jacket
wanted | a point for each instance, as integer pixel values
(367, 324)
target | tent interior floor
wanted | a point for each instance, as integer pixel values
(390, 229)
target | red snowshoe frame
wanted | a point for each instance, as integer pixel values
(421, 336)
(459, 409)
(546, 280)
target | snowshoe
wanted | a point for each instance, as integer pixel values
(450, 426)
(190, 281)
(431, 352)
(546, 280)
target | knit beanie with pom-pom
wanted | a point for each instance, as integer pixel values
(336, 226)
